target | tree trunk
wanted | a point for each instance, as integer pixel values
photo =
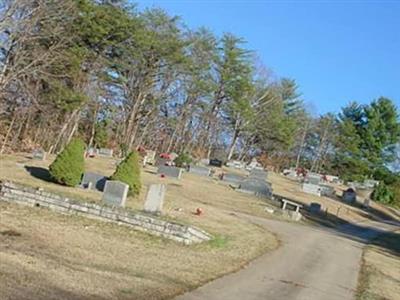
(8, 133)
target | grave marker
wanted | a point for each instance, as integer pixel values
(233, 178)
(93, 181)
(39, 154)
(256, 186)
(313, 189)
(105, 152)
(170, 171)
(155, 198)
(198, 170)
(216, 163)
(115, 193)
(256, 173)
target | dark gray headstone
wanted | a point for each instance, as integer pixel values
(97, 181)
(349, 196)
(233, 178)
(256, 186)
(170, 171)
(39, 154)
(155, 198)
(216, 163)
(115, 193)
(198, 170)
(315, 208)
(105, 152)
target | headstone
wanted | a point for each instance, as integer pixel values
(233, 178)
(198, 170)
(39, 154)
(369, 183)
(327, 190)
(315, 208)
(150, 157)
(155, 198)
(256, 186)
(91, 152)
(105, 152)
(313, 179)
(170, 171)
(173, 155)
(115, 193)
(204, 161)
(216, 163)
(163, 162)
(313, 189)
(349, 196)
(96, 181)
(256, 173)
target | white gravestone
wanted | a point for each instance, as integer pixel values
(313, 189)
(155, 198)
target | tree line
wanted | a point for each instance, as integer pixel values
(122, 78)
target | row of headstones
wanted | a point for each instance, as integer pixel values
(348, 196)
(116, 192)
(40, 154)
(255, 183)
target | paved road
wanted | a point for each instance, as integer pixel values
(311, 264)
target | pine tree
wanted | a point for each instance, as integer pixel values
(128, 171)
(68, 166)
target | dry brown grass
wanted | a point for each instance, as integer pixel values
(380, 270)
(52, 256)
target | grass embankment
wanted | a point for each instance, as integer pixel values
(45, 255)
(380, 270)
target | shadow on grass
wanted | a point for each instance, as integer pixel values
(360, 232)
(40, 173)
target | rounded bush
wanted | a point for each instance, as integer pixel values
(68, 166)
(128, 171)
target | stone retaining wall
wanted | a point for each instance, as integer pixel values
(16, 193)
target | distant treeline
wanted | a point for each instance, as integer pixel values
(120, 78)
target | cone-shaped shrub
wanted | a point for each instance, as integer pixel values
(128, 171)
(68, 166)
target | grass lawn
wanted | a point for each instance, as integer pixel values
(380, 270)
(45, 255)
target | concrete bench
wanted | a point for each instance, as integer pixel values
(285, 202)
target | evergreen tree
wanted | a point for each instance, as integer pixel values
(68, 166)
(128, 171)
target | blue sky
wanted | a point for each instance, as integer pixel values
(337, 51)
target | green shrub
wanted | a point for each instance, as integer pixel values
(382, 193)
(182, 160)
(68, 166)
(128, 171)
